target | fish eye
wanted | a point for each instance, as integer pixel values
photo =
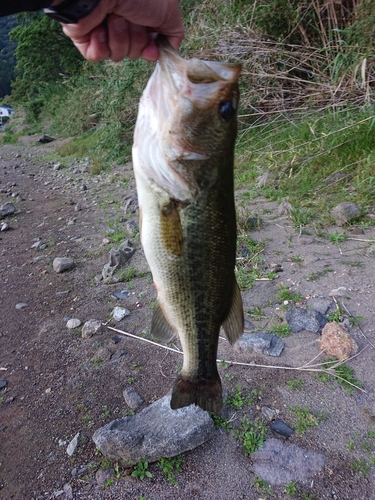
(226, 110)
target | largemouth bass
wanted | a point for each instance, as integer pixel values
(183, 163)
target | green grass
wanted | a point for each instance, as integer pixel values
(285, 293)
(344, 375)
(251, 434)
(171, 466)
(305, 419)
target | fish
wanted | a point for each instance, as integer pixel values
(183, 157)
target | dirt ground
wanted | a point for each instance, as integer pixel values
(57, 385)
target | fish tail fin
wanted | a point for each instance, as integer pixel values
(205, 393)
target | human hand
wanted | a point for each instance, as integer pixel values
(117, 29)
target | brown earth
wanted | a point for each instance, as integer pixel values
(54, 388)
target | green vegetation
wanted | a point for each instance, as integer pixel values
(237, 398)
(285, 293)
(141, 470)
(170, 466)
(282, 330)
(261, 485)
(360, 466)
(252, 434)
(305, 420)
(344, 374)
(296, 384)
(291, 489)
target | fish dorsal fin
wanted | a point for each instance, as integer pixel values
(234, 322)
(160, 328)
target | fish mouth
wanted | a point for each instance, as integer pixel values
(202, 83)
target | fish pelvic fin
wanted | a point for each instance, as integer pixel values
(234, 322)
(206, 394)
(160, 328)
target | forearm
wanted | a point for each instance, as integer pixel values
(9, 7)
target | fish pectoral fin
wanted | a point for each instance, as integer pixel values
(234, 322)
(205, 393)
(171, 229)
(160, 328)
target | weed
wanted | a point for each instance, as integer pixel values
(366, 446)
(345, 375)
(261, 485)
(350, 445)
(360, 466)
(318, 274)
(371, 433)
(300, 217)
(106, 413)
(109, 482)
(96, 362)
(130, 380)
(372, 460)
(297, 258)
(251, 434)
(141, 470)
(336, 238)
(305, 419)
(257, 314)
(170, 466)
(295, 384)
(221, 422)
(224, 363)
(291, 489)
(285, 293)
(229, 377)
(237, 399)
(307, 496)
(282, 330)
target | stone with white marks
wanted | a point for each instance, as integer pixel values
(7, 209)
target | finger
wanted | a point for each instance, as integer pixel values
(94, 45)
(118, 37)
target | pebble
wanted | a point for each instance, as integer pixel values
(338, 292)
(345, 212)
(7, 209)
(121, 294)
(281, 430)
(61, 264)
(73, 323)
(2, 384)
(132, 398)
(102, 476)
(336, 342)
(72, 446)
(268, 413)
(91, 327)
(119, 313)
(4, 226)
(21, 305)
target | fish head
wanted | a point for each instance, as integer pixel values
(189, 109)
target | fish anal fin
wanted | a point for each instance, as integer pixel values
(171, 229)
(207, 394)
(234, 322)
(160, 328)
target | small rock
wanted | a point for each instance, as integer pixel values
(131, 203)
(21, 305)
(4, 226)
(91, 327)
(57, 166)
(320, 304)
(132, 398)
(336, 342)
(61, 264)
(68, 491)
(78, 207)
(72, 446)
(45, 139)
(115, 339)
(285, 208)
(281, 430)
(345, 212)
(79, 471)
(122, 294)
(119, 313)
(7, 209)
(155, 432)
(73, 323)
(102, 476)
(303, 319)
(268, 413)
(102, 354)
(338, 292)
(3, 384)
(132, 227)
(261, 342)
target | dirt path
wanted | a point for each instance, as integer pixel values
(57, 384)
